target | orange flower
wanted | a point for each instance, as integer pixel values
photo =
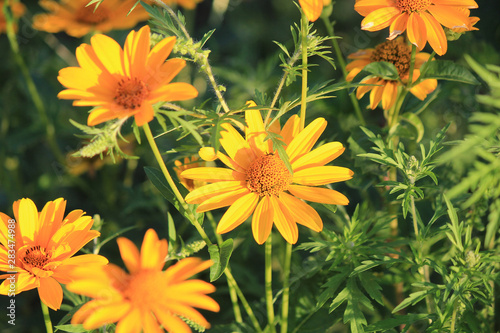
(188, 164)
(77, 19)
(312, 8)
(398, 53)
(124, 83)
(188, 4)
(258, 182)
(147, 297)
(44, 244)
(422, 19)
(17, 9)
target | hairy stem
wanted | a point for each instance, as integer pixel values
(303, 104)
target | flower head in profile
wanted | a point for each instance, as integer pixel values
(45, 244)
(398, 53)
(17, 9)
(258, 182)
(186, 164)
(423, 20)
(146, 297)
(77, 19)
(121, 83)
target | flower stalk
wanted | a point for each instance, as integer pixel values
(286, 288)
(268, 272)
(46, 317)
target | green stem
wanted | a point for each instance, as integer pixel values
(342, 63)
(178, 195)
(453, 318)
(232, 291)
(244, 302)
(46, 317)
(30, 84)
(286, 288)
(200, 58)
(268, 272)
(303, 104)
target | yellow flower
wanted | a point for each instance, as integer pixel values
(146, 297)
(17, 9)
(312, 8)
(258, 181)
(188, 4)
(422, 19)
(44, 244)
(77, 19)
(185, 165)
(124, 83)
(398, 53)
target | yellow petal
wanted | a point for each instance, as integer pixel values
(109, 53)
(283, 221)
(322, 175)
(376, 95)
(206, 192)
(312, 8)
(170, 322)
(306, 139)
(236, 147)
(129, 253)
(290, 129)
(131, 322)
(160, 52)
(135, 52)
(27, 218)
(51, 293)
(262, 221)
(435, 34)
(302, 213)
(319, 156)
(222, 200)
(417, 34)
(449, 16)
(380, 18)
(398, 26)
(318, 194)
(212, 174)
(365, 7)
(255, 130)
(238, 212)
(107, 314)
(152, 256)
(389, 94)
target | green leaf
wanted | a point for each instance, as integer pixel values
(220, 257)
(158, 179)
(448, 70)
(371, 286)
(415, 121)
(72, 328)
(413, 299)
(387, 324)
(382, 69)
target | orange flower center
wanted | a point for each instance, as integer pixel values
(131, 92)
(410, 6)
(35, 256)
(90, 15)
(395, 52)
(268, 175)
(143, 287)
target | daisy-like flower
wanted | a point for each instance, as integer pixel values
(45, 243)
(188, 4)
(258, 182)
(77, 19)
(147, 297)
(186, 164)
(422, 19)
(312, 8)
(124, 83)
(17, 9)
(398, 53)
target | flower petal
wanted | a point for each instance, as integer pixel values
(380, 18)
(318, 194)
(51, 293)
(302, 212)
(129, 253)
(284, 221)
(398, 26)
(322, 175)
(212, 174)
(239, 211)
(306, 139)
(319, 156)
(312, 8)
(109, 53)
(417, 34)
(206, 192)
(435, 34)
(262, 221)
(221, 200)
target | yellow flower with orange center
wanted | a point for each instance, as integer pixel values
(39, 247)
(258, 182)
(77, 19)
(146, 297)
(422, 19)
(121, 83)
(186, 164)
(17, 9)
(398, 53)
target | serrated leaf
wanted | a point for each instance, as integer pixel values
(448, 70)
(387, 324)
(413, 299)
(371, 286)
(331, 287)
(382, 69)
(220, 257)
